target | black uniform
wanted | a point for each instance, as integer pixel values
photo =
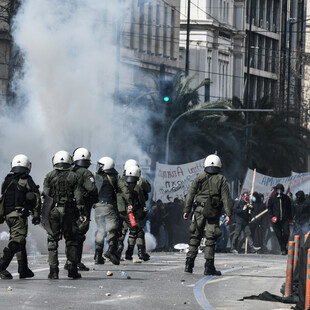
(279, 206)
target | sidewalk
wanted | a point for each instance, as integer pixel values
(243, 275)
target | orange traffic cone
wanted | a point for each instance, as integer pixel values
(289, 269)
(307, 295)
(296, 251)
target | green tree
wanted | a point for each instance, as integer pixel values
(156, 113)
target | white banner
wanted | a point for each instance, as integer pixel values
(174, 181)
(264, 184)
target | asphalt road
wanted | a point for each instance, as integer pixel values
(157, 284)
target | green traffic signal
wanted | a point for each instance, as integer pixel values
(166, 91)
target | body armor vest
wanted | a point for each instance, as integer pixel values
(107, 191)
(62, 190)
(15, 194)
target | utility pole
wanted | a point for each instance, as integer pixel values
(247, 99)
(187, 37)
(288, 99)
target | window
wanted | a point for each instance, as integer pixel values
(172, 38)
(141, 28)
(165, 30)
(157, 32)
(149, 28)
(207, 93)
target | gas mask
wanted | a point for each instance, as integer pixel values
(279, 193)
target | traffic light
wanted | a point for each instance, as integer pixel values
(166, 91)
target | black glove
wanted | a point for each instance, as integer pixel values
(36, 221)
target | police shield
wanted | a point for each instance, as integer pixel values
(46, 208)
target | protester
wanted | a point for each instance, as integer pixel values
(280, 213)
(301, 214)
(242, 210)
(158, 217)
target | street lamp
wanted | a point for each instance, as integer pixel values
(205, 110)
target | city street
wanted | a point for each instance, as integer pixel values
(157, 284)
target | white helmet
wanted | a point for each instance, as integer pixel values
(106, 164)
(130, 162)
(81, 157)
(132, 174)
(62, 160)
(212, 164)
(20, 163)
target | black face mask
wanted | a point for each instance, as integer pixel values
(300, 198)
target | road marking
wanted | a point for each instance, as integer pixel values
(199, 290)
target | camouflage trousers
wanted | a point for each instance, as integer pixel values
(18, 229)
(106, 217)
(200, 227)
(63, 222)
(136, 234)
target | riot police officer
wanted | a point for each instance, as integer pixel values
(109, 184)
(146, 188)
(21, 197)
(61, 184)
(207, 195)
(138, 211)
(88, 194)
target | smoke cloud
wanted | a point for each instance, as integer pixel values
(64, 92)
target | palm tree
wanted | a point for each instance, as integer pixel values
(159, 115)
(201, 133)
(278, 147)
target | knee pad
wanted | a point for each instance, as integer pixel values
(14, 246)
(210, 242)
(194, 241)
(52, 246)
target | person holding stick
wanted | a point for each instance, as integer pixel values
(242, 217)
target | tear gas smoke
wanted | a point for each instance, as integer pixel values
(64, 92)
(64, 96)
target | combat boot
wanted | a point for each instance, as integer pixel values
(80, 265)
(23, 269)
(73, 271)
(142, 254)
(5, 261)
(54, 273)
(111, 255)
(99, 260)
(210, 269)
(189, 264)
(129, 252)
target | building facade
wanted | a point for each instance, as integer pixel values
(151, 37)
(211, 46)
(248, 49)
